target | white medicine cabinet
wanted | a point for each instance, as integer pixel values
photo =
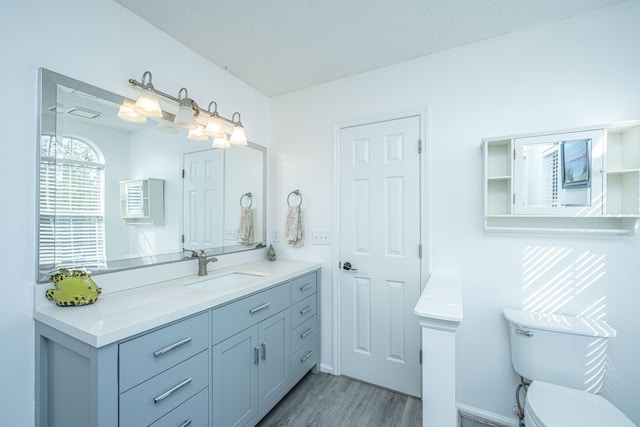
(142, 201)
(576, 181)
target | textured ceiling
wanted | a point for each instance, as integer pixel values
(279, 46)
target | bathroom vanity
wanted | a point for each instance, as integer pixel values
(216, 350)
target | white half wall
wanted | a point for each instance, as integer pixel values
(571, 73)
(100, 43)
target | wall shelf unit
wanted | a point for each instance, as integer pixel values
(142, 201)
(613, 205)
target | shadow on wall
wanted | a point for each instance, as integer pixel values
(560, 280)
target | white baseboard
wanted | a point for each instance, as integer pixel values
(327, 368)
(486, 415)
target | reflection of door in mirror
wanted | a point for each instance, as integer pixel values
(202, 197)
(544, 169)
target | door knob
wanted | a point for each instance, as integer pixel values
(347, 266)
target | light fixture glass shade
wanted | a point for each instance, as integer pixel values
(167, 126)
(214, 127)
(197, 134)
(237, 136)
(221, 142)
(129, 114)
(184, 118)
(148, 104)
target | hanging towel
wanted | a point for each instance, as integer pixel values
(245, 229)
(294, 230)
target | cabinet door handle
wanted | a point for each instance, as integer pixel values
(171, 391)
(306, 310)
(264, 351)
(524, 332)
(187, 423)
(306, 356)
(305, 287)
(256, 354)
(173, 346)
(260, 307)
(306, 333)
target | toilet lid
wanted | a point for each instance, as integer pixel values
(554, 406)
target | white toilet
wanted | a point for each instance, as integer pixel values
(564, 357)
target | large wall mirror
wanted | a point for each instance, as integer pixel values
(115, 195)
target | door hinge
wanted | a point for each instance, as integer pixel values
(183, 173)
(421, 357)
(419, 146)
(514, 154)
(420, 251)
(514, 198)
(182, 238)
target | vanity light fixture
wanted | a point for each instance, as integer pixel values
(185, 118)
(147, 103)
(221, 142)
(214, 124)
(128, 113)
(238, 136)
(187, 111)
(197, 134)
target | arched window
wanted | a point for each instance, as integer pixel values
(71, 204)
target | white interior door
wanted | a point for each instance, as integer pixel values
(203, 180)
(380, 239)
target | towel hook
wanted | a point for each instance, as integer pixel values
(297, 193)
(248, 195)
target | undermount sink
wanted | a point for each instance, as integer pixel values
(230, 279)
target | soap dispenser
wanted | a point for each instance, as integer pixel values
(271, 253)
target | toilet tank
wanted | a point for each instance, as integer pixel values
(559, 349)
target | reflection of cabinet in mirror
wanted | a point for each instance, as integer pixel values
(585, 180)
(142, 201)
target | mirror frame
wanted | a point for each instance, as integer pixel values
(48, 81)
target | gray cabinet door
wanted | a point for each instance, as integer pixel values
(273, 374)
(235, 379)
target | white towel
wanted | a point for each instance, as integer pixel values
(294, 230)
(245, 229)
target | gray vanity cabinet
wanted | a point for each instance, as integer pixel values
(227, 365)
(251, 368)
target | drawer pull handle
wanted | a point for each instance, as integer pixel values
(187, 423)
(306, 310)
(306, 333)
(256, 353)
(523, 332)
(260, 307)
(171, 391)
(167, 349)
(306, 356)
(264, 351)
(305, 287)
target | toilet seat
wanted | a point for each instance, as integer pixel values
(551, 405)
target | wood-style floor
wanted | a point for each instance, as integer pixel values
(327, 400)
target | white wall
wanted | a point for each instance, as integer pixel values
(102, 44)
(571, 73)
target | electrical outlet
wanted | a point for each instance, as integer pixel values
(276, 236)
(321, 237)
(230, 234)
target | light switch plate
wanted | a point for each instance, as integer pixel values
(321, 237)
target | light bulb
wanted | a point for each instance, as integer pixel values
(148, 105)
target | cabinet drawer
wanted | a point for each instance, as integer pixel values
(232, 318)
(148, 355)
(193, 413)
(303, 360)
(304, 333)
(303, 310)
(154, 398)
(303, 286)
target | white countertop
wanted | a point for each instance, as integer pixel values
(441, 299)
(119, 315)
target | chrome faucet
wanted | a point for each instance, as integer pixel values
(203, 260)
